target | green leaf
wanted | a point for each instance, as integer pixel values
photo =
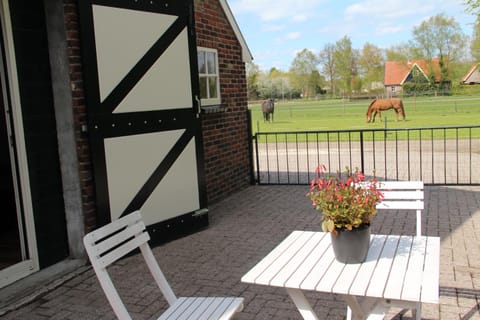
(328, 225)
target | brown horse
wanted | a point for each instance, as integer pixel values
(379, 105)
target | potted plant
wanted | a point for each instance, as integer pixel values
(348, 204)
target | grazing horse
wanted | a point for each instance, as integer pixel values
(268, 107)
(378, 105)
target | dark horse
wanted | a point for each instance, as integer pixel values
(379, 105)
(268, 107)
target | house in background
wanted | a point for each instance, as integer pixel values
(111, 106)
(472, 76)
(397, 73)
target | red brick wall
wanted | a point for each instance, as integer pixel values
(80, 114)
(225, 133)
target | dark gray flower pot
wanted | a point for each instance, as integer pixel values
(351, 246)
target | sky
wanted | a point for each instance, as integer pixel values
(276, 30)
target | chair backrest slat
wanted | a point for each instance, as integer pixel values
(398, 205)
(402, 185)
(403, 195)
(115, 226)
(111, 242)
(123, 250)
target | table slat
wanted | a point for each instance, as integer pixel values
(331, 275)
(283, 260)
(345, 280)
(360, 284)
(431, 274)
(306, 267)
(298, 259)
(413, 277)
(316, 274)
(260, 267)
(382, 270)
(393, 288)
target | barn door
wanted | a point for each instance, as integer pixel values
(141, 81)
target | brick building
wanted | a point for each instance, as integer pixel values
(397, 73)
(111, 106)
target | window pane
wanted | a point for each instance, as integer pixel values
(212, 87)
(203, 88)
(211, 64)
(201, 62)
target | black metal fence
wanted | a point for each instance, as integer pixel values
(437, 155)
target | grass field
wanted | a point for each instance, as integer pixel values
(340, 114)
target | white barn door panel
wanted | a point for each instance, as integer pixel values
(141, 85)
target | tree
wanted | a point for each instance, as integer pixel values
(274, 84)
(473, 6)
(253, 76)
(346, 63)
(440, 36)
(280, 84)
(302, 70)
(372, 64)
(401, 52)
(327, 62)
(475, 44)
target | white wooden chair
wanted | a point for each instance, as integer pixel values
(401, 195)
(113, 241)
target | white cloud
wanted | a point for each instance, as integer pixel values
(273, 27)
(268, 10)
(292, 35)
(337, 29)
(378, 10)
(389, 29)
(287, 37)
(299, 18)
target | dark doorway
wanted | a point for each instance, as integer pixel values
(10, 246)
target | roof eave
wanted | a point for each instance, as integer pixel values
(410, 70)
(470, 72)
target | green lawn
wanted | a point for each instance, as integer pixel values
(345, 115)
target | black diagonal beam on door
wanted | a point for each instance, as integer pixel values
(143, 65)
(147, 189)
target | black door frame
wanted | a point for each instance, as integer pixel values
(103, 123)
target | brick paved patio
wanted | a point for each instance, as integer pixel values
(243, 229)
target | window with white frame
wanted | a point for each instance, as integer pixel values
(208, 76)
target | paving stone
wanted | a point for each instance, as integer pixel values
(243, 229)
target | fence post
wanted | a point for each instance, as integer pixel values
(250, 146)
(362, 168)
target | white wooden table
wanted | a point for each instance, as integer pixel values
(397, 269)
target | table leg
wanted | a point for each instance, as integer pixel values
(349, 313)
(302, 304)
(355, 308)
(368, 308)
